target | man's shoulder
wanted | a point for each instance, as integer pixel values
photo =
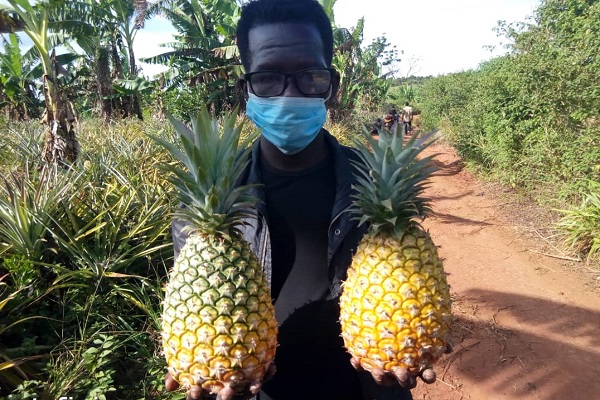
(351, 153)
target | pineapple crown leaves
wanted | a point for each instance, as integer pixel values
(211, 158)
(391, 181)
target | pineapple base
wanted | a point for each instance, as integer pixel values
(218, 321)
(395, 304)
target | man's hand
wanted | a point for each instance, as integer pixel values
(399, 375)
(227, 393)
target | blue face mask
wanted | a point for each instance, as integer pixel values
(289, 123)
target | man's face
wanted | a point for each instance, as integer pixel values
(287, 48)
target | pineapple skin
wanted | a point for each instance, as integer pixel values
(218, 320)
(395, 307)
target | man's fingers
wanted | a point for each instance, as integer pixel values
(194, 393)
(226, 393)
(383, 378)
(378, 375)
(255, 387)
(404, 378)
(170, 383)
(356, 364)
(402, 375)
(270, 372)
(428, 376)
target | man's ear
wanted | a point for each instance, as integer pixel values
(243, 87)
(335, 86)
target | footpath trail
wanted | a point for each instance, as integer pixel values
(526, 320)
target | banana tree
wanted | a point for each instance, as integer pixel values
(61, 145)
(328, 7)
(204, 55)
(127, 25)
(363, 83)
(17, 91)
(110, 54)
(8, 24)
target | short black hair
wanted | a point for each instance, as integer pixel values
(263, 12)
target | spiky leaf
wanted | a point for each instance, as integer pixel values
(391, 180)
(211, 156)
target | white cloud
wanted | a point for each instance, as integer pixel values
(443, 36)
(148, 43)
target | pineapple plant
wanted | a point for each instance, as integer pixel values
(395, 304)
(218, 320)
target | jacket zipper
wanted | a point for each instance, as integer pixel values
(333, 221)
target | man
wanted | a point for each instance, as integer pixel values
(395, 115)
(377, 126)
(407, 117)
(304, 236)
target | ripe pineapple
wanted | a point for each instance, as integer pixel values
(218, 321)
(395, 302)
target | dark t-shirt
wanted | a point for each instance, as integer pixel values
(311, 360)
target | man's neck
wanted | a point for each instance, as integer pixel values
(312, 155)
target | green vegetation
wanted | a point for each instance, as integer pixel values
(531, 119)
(83, 257)
(581, 223)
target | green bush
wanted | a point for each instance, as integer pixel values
(581, 224)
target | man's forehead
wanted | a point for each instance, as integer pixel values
(285, 46)
(284, 34)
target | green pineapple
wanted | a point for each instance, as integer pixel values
(218, 321)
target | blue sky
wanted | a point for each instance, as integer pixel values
(437, 36)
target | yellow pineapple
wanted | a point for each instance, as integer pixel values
(395, 303)
(218, 321)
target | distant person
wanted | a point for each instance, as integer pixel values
(377, 126)
(395, 115)
(407, 117)
(389, 121)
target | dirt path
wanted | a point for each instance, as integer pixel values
(526, 326)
